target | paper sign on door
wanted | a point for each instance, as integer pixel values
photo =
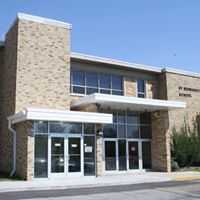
(88, 149)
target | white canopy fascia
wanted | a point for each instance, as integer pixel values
(124, 102)
(59, 115)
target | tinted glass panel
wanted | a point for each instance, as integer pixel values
(132, 131)
(104, 80)
(78, 78)
(132, 118)
(145, 132)
(110, 130)
(89, 155)
(105, 91)
(89, 129)
(121, 131)
(133, 155)
(114, 92)
(146, 155)
(122, 154)
(141, 86)
(110, 155)
(92, 79)
(65, 128)
(145, 118)
(41, 156)
(79, 90)
(121, 117)
(117, 82)
(91, 90)
(41, 127)
(57, 155)
(74, 151)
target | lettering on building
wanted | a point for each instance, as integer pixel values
(186, 91)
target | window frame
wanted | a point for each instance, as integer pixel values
(110, 90)
(126, 124)
(145, 89)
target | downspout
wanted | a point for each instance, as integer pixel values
(14, 146)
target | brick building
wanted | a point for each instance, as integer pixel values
(66, 114)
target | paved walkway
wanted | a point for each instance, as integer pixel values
(107, 180)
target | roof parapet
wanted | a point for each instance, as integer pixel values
(181, 72)
(44, 20)
(115, 62)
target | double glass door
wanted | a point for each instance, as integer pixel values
(66, 156)
(124, 155)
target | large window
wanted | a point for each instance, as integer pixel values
(128, 124)
(92, 82)
(141, 88)
(127, 140)
(47, 130)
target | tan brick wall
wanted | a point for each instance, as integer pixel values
(36, 74)
(1, 88)
(161, 157)
(130, 86)
(193, 108)
(99, 155)
(86, 108)
(7, 96)
(152, 89)
(43, 67)
(25, 150)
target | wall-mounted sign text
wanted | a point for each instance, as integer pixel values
(186, 91)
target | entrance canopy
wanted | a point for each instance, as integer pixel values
(60, 115)
(124, 102)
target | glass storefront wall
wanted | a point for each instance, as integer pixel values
(127, 140)
(62, 147)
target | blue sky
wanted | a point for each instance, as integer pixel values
(164, 33)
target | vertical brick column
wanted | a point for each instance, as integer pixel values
(25, 150)
(99, 156)
(130, 87)
(161, 157)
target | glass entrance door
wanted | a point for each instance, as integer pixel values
(110, 156)
(133, 155)
(75, 158)
(66, 156)
(58, 156)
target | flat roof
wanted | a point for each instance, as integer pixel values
(102, 60)
(60, 115)
(181, 72)
(44, 20)
(124, 102)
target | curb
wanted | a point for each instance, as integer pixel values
(186, 178)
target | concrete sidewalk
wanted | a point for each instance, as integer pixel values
(107, 180)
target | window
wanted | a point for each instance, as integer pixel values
(104, 80)
(89, 129)
(141, 88)
(92, 82)
(78, 80)
(128, 124)
(41, 156)
(64, 127)
(41, 127)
